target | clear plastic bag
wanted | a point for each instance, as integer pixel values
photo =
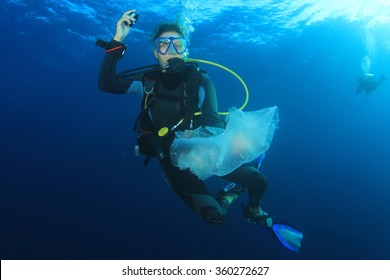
(212, 151)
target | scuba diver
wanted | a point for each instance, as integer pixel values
(368, 83)
(172, 92)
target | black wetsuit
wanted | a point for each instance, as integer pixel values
(165, 112)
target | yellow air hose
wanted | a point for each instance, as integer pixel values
(231, 72)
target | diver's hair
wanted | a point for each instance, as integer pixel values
(166, 27)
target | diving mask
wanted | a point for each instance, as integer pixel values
(171, 45)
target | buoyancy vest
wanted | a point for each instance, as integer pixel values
(169, 103)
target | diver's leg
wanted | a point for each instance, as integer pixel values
(256, 183)
(194, 193)
(250, 178)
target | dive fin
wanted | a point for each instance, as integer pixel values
(287, 235)
(281, 231)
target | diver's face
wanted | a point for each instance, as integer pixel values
(168, 47)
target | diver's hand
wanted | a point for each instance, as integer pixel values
(123, 25)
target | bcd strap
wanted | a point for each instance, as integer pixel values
(148, 87)
(194, 75)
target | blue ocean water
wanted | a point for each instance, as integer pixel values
(72, 188)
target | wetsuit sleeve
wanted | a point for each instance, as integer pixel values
(108, 79)
(210, 105)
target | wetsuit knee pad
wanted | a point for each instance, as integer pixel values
(259, 179)
(252, 178)
(213, 215)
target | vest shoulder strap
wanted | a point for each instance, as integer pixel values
(194, 77)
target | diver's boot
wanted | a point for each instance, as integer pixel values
(261, 218)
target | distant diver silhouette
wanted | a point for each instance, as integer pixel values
(368, 83)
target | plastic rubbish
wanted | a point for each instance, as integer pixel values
(208, 151)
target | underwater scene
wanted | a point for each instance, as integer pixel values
(72, 187)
